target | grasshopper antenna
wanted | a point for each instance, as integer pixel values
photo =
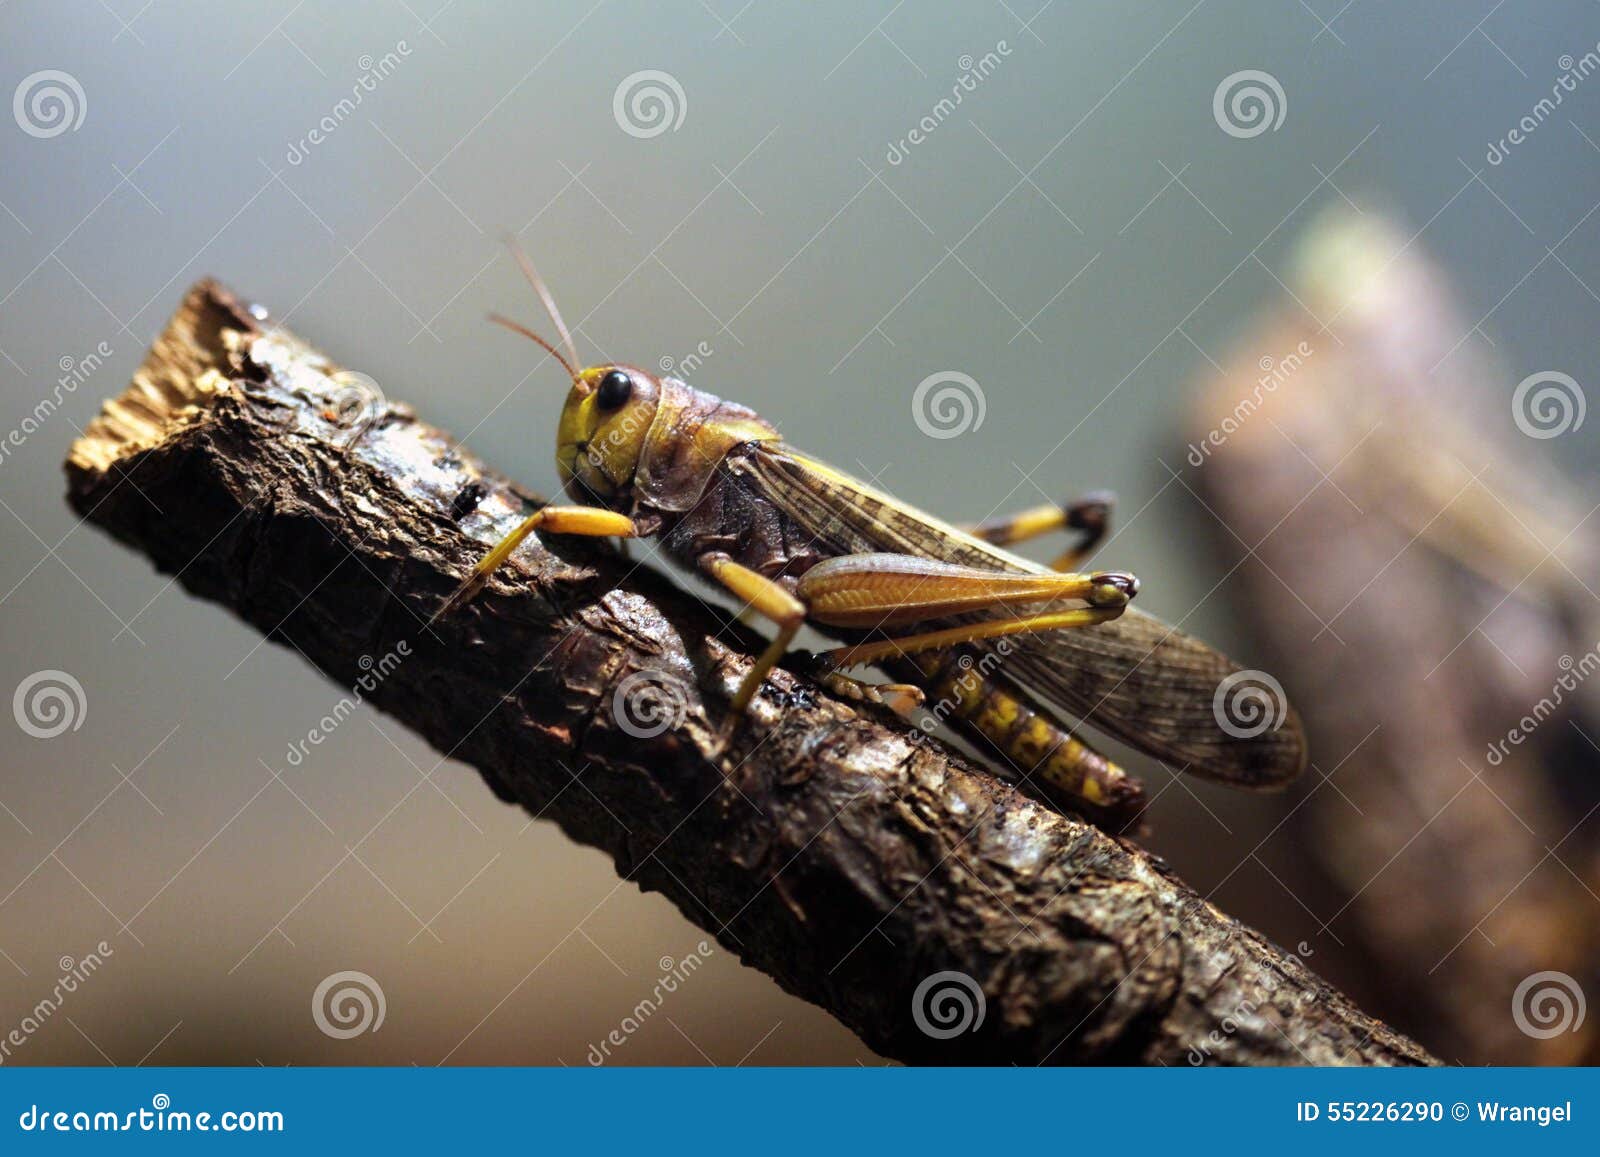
(516, 327)
(549, 302)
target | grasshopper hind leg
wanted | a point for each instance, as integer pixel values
(1089, 517)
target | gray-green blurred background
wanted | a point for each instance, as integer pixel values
(1079, 236)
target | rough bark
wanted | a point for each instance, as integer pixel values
(838, 851)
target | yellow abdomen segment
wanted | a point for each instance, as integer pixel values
(963, 687)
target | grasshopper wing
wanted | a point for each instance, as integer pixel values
(1135, 678)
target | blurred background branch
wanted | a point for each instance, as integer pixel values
(1430, 608)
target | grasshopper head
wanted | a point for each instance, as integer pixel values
(607, 446)
(603, 429)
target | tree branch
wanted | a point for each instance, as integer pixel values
(839, 852)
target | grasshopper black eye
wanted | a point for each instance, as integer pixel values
(615, 389)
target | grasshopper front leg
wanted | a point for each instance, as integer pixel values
(587, 521)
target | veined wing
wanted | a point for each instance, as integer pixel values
(1136, 678)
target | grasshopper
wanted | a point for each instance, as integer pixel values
(1009, 648)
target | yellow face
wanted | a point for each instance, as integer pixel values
(603, 428)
